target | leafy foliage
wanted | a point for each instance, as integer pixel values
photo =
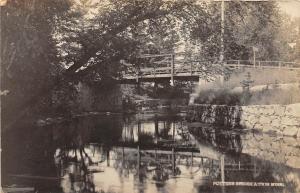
(247, 24)
(27, 49)
(121, 30)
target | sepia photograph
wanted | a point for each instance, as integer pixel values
(150, 96)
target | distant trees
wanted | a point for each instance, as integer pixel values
(247, 24)
(294, 43)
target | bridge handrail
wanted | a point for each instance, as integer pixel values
(265, 61)
(194, 66)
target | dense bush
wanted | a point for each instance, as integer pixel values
(263, 97)
(220, 96)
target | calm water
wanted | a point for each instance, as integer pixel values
(146, 153)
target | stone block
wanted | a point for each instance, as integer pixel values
(293, 161)
(268, 128)
(279, 109)
(291, 141)
(290, 121)
(291, 131)
(275, 122)
(268, 111)
(264, 120)
(293, 109)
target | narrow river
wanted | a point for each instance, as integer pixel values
(146, 153)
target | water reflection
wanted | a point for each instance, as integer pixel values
(143, 153)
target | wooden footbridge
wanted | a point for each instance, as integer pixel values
(169, 68)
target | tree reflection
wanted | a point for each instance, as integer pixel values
(76, 156)
(74, 162)
(226, 141)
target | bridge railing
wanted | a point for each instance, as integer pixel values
(239, 62)
(190, 67)
(193, 67)
(278, 64)
(262, 64)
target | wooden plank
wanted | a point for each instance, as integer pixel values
(17, 189)
(35, 177)
(153, 55)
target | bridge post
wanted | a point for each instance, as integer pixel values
(221, 79)
(155, 88)
(123, 154)
(137, 74)
(138, 158)
(254, 59)
(172, 70)
(107, 158)
(192, 162)
(173, 161)
(138, 86)
(222, 167)
(137, 80)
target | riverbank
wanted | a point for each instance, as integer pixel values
(274, 119)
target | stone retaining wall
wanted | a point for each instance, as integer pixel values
(279, 119)
(283, 150)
